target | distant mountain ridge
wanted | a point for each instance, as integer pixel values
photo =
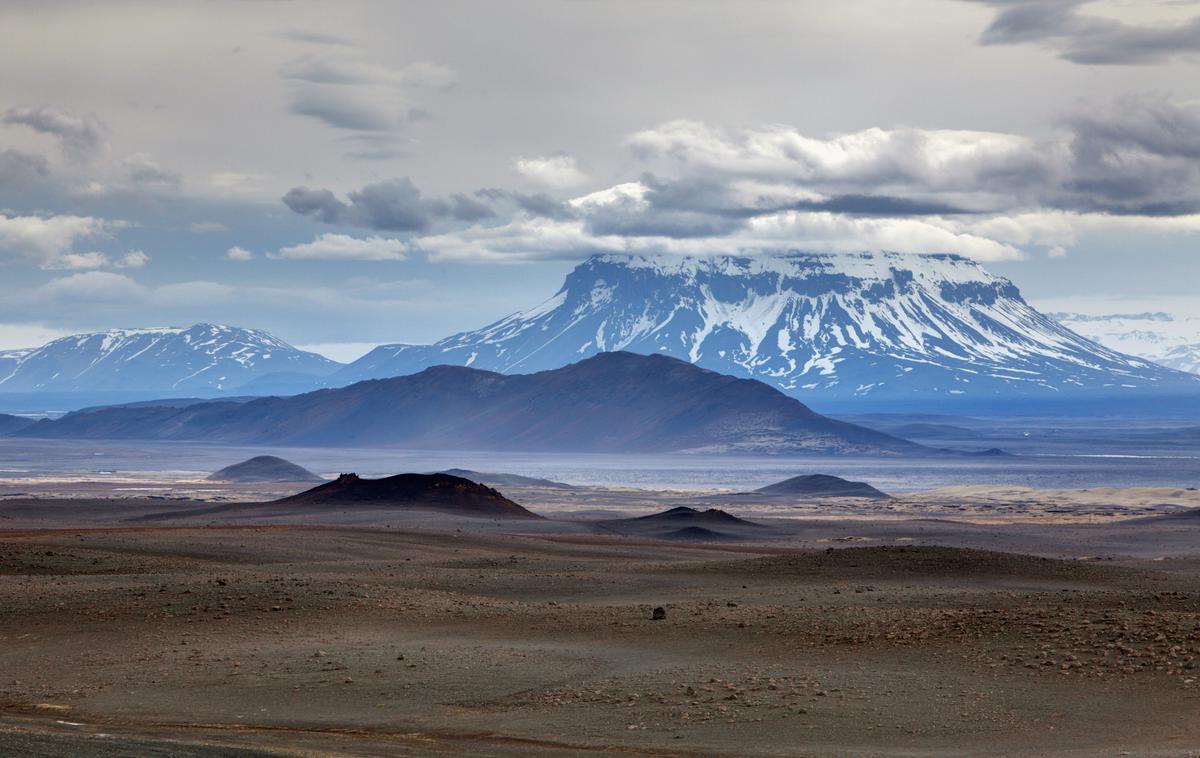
(203, 358)
(612, 402)
(1166, 339)
(856, 328)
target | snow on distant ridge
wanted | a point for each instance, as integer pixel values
(1169, 340)
(199, 358)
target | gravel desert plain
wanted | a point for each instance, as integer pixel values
(204, 619)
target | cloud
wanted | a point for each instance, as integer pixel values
(207, 227)
(142, 172)
(49, 241)
(350, 110)
(239, 254)
(1138, 155)
(95, 287)
(345, 91)
(236, 182)
(333, 247)
(555, 171)
(534, 239)
(315, 38)
(24, 334)
(954, 164)
(395, 205)
(536, 204)
(19, 169)
(328, 68)
(1062, 27)
(132, 259)
(706, 190)
(81, 136)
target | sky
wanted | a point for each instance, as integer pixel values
(354, 173)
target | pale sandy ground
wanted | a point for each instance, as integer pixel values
(191, 631)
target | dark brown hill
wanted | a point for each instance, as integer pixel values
(439, 492)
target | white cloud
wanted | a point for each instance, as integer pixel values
(17, 335)
(49, 241)
(132, 259)
(344, 247)
(555, 171)
(975, 169)
(531, 239)
(95, 287)
(79, 261)
(239, 254)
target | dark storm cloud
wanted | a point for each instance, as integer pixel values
(395, 205)
(19, 168)
(1139, 155)
(319, 205)
(464, 208)
(1065, 27)
(80, 136)
(699, 206)
(535, 204)
(875, 205)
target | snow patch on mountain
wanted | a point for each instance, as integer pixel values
(817, 326)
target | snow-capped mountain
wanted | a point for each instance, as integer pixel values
(822, 328)
(200, 359)
(1172, 341)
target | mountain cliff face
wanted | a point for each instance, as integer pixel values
(204, 358)
(821, 328)
(612, 402)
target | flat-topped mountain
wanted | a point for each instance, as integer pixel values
(199, 359)
(850, 330)
(612, 402)
(820, 485)
(265, 468)
(440, 492)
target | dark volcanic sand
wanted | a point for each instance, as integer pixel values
(327, 640)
